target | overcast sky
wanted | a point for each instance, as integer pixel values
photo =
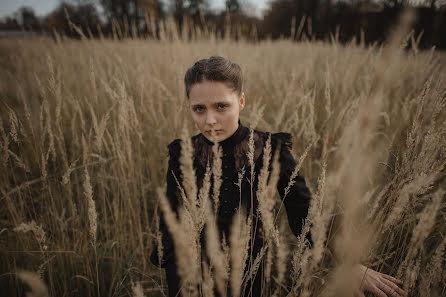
(43, 7)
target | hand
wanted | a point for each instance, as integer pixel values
(380, 284)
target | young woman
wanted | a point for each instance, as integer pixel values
(214, 91)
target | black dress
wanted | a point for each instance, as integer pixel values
(234, 159)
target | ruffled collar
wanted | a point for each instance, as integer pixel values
(241, 133)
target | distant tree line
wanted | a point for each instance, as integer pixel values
(367, 21)
(345, 20)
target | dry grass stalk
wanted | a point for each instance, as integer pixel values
(256, 115)
(270, 191)
(188, 173)
(226, 255)
(300, 261)
(250, 155)
(216, 174)
(13, 124)
(159, 241)
(43, 171)
(215, 250)
(73, 26)
(37, 230)
(49, 131)
(99, 131)
(38, 288)
(137, 290)
(92, 215)
(19, 162)
(41, 270)
(267, 267)
(239, 244)
(251, 273)
(266, 202)
(412, 273)
(71, 168)
(402, 203)
(251, 150)
(186, 253)
(55, 89)
(351, 180)
(426, 222)
(4, 145)
(191, 217)
(281, 261)
(296, 170)
(240, 176)
(431, 278)
(208, 281)
(411, 140)
(203, 195)
(327, 92)
(319, 216)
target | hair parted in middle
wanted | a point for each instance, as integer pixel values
(215, 68)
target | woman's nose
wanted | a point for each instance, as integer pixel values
(210, 118)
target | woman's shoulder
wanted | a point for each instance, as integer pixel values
(281, 144)
(175, 144)
(282, 139)
(174, 147)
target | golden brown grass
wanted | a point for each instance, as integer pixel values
(83, 132)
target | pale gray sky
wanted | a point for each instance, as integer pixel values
(43, 7)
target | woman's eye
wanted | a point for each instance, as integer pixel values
(198, 108)
(221, 106)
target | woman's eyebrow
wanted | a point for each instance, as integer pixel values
(223, 101)
(214, 103)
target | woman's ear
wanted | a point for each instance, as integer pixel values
(242, 101)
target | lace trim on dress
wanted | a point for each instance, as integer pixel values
(204, 153)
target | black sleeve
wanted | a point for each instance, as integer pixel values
(297, 200)
(173, 179)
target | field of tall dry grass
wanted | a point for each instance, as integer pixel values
(84, 127)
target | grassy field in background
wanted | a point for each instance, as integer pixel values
(84, 127)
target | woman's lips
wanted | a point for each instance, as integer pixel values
(216, 131)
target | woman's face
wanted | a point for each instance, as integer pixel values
(215, 109)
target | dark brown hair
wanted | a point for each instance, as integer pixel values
(215, 68)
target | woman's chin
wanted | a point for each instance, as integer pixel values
(215, 138)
